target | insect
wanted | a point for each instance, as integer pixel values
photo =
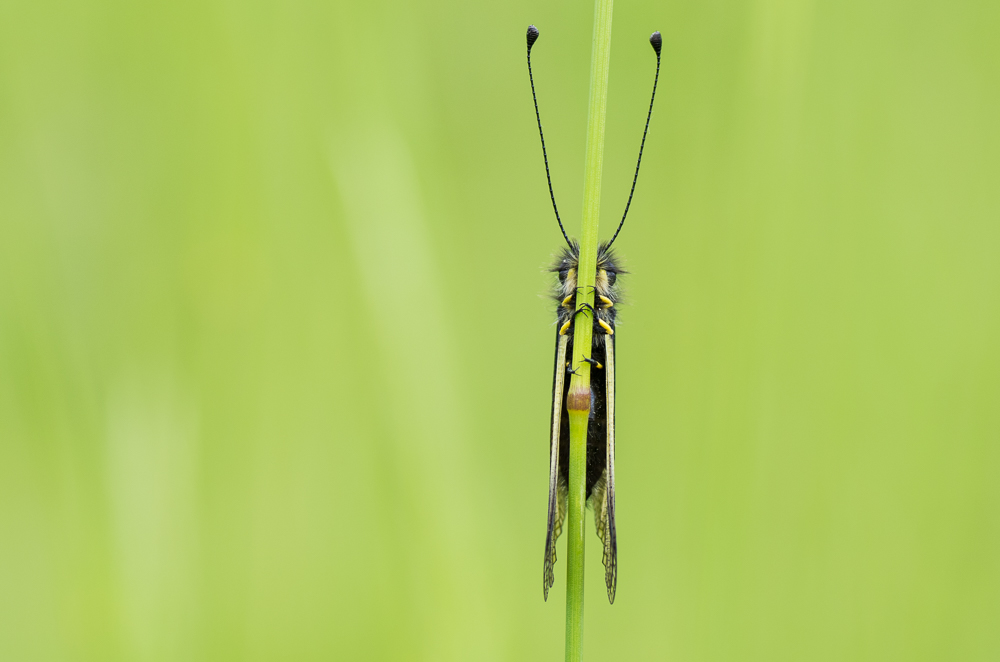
(600, 487)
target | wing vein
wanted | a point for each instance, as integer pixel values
(556, 509)
(610, 533)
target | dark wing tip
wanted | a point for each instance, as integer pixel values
(533, 35)
(611, 576)
(655, 39)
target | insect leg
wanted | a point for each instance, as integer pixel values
(565, 327)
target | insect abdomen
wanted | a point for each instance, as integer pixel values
(597, 432)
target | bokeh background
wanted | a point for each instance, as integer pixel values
(275, 357)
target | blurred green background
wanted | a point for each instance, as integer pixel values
(275, 363)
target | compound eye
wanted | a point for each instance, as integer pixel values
(612, 277)
(562, 275)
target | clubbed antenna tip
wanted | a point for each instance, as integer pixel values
(533, 35)
(655, 39)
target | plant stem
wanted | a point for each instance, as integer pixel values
(578, 400)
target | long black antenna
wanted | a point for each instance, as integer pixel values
(532, 36)
(657, 41)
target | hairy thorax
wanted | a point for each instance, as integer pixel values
(606, 290)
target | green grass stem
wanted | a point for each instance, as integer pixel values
(578, 401)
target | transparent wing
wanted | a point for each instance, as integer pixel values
(557, 495)
(606, 514)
